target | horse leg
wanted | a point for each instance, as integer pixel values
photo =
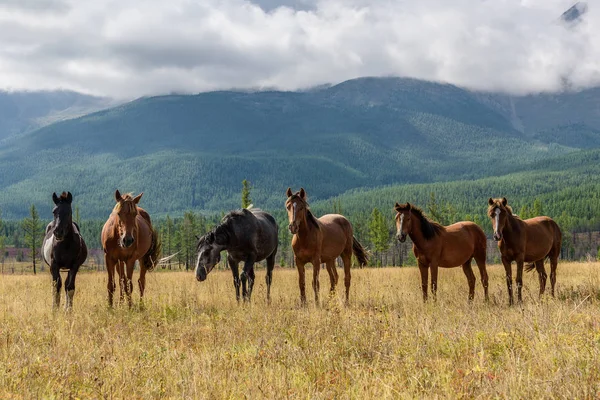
(233, 265)
(129, 281)
(434, 275)
(484, 276)
(468, 270)
(121, 272)
(70, 287)
(248, 278)
(316, 262)
(423, 269)
(520, 263)
(330, 270)
(553, 266)
(508, 269)
(110, 268)
(269, 276)
(56, 285)
(347, 260)
(142, 281)
(539, 266)
(301, 280)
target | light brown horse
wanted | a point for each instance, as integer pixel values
(319, 241)
(525, 241)
(436, 246)
(128, 236)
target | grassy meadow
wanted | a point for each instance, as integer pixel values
(192, 340)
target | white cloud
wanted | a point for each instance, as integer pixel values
(129, 48)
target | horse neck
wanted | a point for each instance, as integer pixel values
(512, 223)
(305, 228)
(416, 234)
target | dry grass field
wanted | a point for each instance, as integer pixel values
(192, 340)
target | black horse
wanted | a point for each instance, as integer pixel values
(63, 248)
(248, 235)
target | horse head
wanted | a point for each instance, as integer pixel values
(296, 207)
(126, 211)
(63, 219)
(209, 249)
(498, 210)
(403, 221)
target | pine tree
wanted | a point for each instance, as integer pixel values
(33, 233)
(537, 208)
(378, 232)
(167, 237)
(246, 201)
(433, 209)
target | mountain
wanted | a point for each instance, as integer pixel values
(192, 152)
(25, 111)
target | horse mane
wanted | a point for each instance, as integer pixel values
(309, 215)
(428, 228)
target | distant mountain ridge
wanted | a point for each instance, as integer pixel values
(23, 111)
(192, 151)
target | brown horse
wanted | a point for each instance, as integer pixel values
(436, 246)
(525, 241)
(319, 241)
(128, 236)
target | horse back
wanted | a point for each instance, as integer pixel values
(267, 234)
(460, 242)
(543, 236)
(337, 235)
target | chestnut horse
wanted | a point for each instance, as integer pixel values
(319, 241)
(128, 236)
(436, 246)
(525, 241)
(63, 248)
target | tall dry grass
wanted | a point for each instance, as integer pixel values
(192, 340)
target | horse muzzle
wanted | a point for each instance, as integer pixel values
(127, 241)
(200, 274)
(497, 237)
(293, 228)
(401, 237)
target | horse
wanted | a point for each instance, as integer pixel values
(319, 241)
(525, 241)
(249, 236)
(128, 236)
(436, 246)
(63, 248)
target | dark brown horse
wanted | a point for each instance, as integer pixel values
(525, 241)
(128, 236)
(63, 248)
(436, 246)
(319, 241)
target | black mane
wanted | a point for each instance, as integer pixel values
(429, 228)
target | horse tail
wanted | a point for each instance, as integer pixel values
(151, 258)
(529, 267)
(360, 252)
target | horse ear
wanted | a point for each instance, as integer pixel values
(118, 195)
(55, 198)
(289, 192)
(69, 197)
(397, 207)
(504, 201)
(408, 205)
(491, 201)
(302, 194)
(137, 198)
(197, 237)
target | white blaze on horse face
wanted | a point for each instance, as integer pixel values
(497, 219)
(401, 225)
(294, 205)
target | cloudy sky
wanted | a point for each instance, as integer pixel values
(130, 48)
